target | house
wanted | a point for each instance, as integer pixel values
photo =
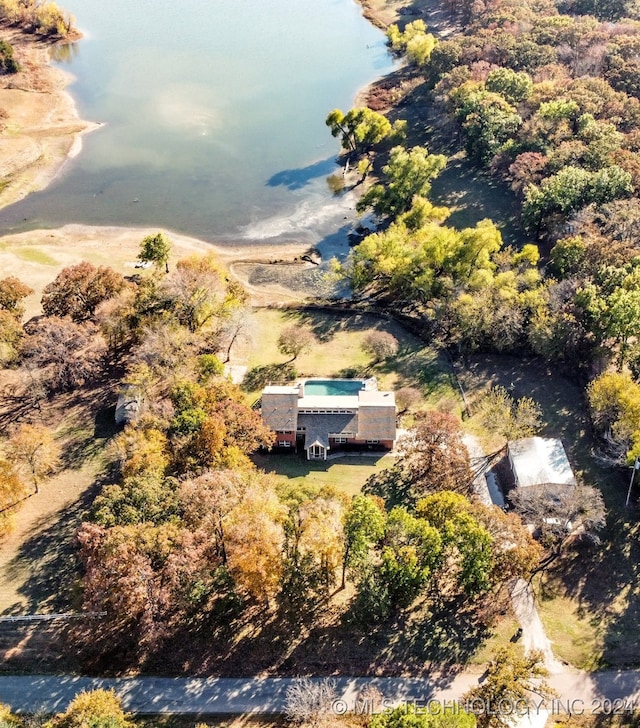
(539, 461)
(324, 414)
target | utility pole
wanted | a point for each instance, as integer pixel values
(636, 466)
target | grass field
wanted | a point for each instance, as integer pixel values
(339, 353)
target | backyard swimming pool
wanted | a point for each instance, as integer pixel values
(332, 387)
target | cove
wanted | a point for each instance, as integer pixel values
(213, 114)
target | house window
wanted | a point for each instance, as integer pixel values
(284, 443)
(339, 439)
(372, 442)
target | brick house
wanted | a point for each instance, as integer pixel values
(320, 415)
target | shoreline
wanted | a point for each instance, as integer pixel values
(43, 128)
(44, 131)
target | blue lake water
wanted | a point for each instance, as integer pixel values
(213, 116)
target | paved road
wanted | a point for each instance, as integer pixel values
(586, 692)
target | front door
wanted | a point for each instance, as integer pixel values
(316, 452)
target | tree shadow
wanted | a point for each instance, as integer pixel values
(49, 555)
(296, 179)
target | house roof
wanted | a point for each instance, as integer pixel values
(280, 408)
(540, 460)
(373, 398)
(338, 424)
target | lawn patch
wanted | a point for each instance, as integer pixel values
(348, 474)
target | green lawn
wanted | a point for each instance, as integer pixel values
(339, 353)
(348, 474)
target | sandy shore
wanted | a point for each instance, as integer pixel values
(272, 274)
(42, 128)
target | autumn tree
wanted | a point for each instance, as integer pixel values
(12, 292)
(254, 542)
(12, 491)
(156, 249)
(95, 708)
(432, 457)
(78, 289)
(381, 345)
(614, 402)
(197, 291)
(294, 341)
(33, 449)
(511, 680)
(407, 398)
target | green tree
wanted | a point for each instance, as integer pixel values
(409, 716)
(359, 129)
(511, 85)
(408, 175)
(364, 525)
(156, 249)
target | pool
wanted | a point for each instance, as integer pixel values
(332, 387)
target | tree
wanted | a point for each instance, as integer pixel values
(560, 511)
(408, 175)
(12, 491)
(511, 681)
(68, 354)
(293, 341)
(413, 40)
(310, 701)
(433, 457)
(12, 291)
(94, 709)
(614, 401)
(407, 398)
(254, 540)
(198, 292)
(410, 716)
(381, 345)
(364, 525)
(78, 289)
(500, 413)
(359, 129)
(514, 87)
(32, 448)
(156, 249)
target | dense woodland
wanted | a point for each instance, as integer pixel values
(545, 97)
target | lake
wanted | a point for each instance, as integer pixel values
(213, 117)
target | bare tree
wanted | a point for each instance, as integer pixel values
(309, 702)
(560, 511)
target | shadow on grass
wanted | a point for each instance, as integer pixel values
(49, 556)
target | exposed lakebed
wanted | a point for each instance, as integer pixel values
(213, 117)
